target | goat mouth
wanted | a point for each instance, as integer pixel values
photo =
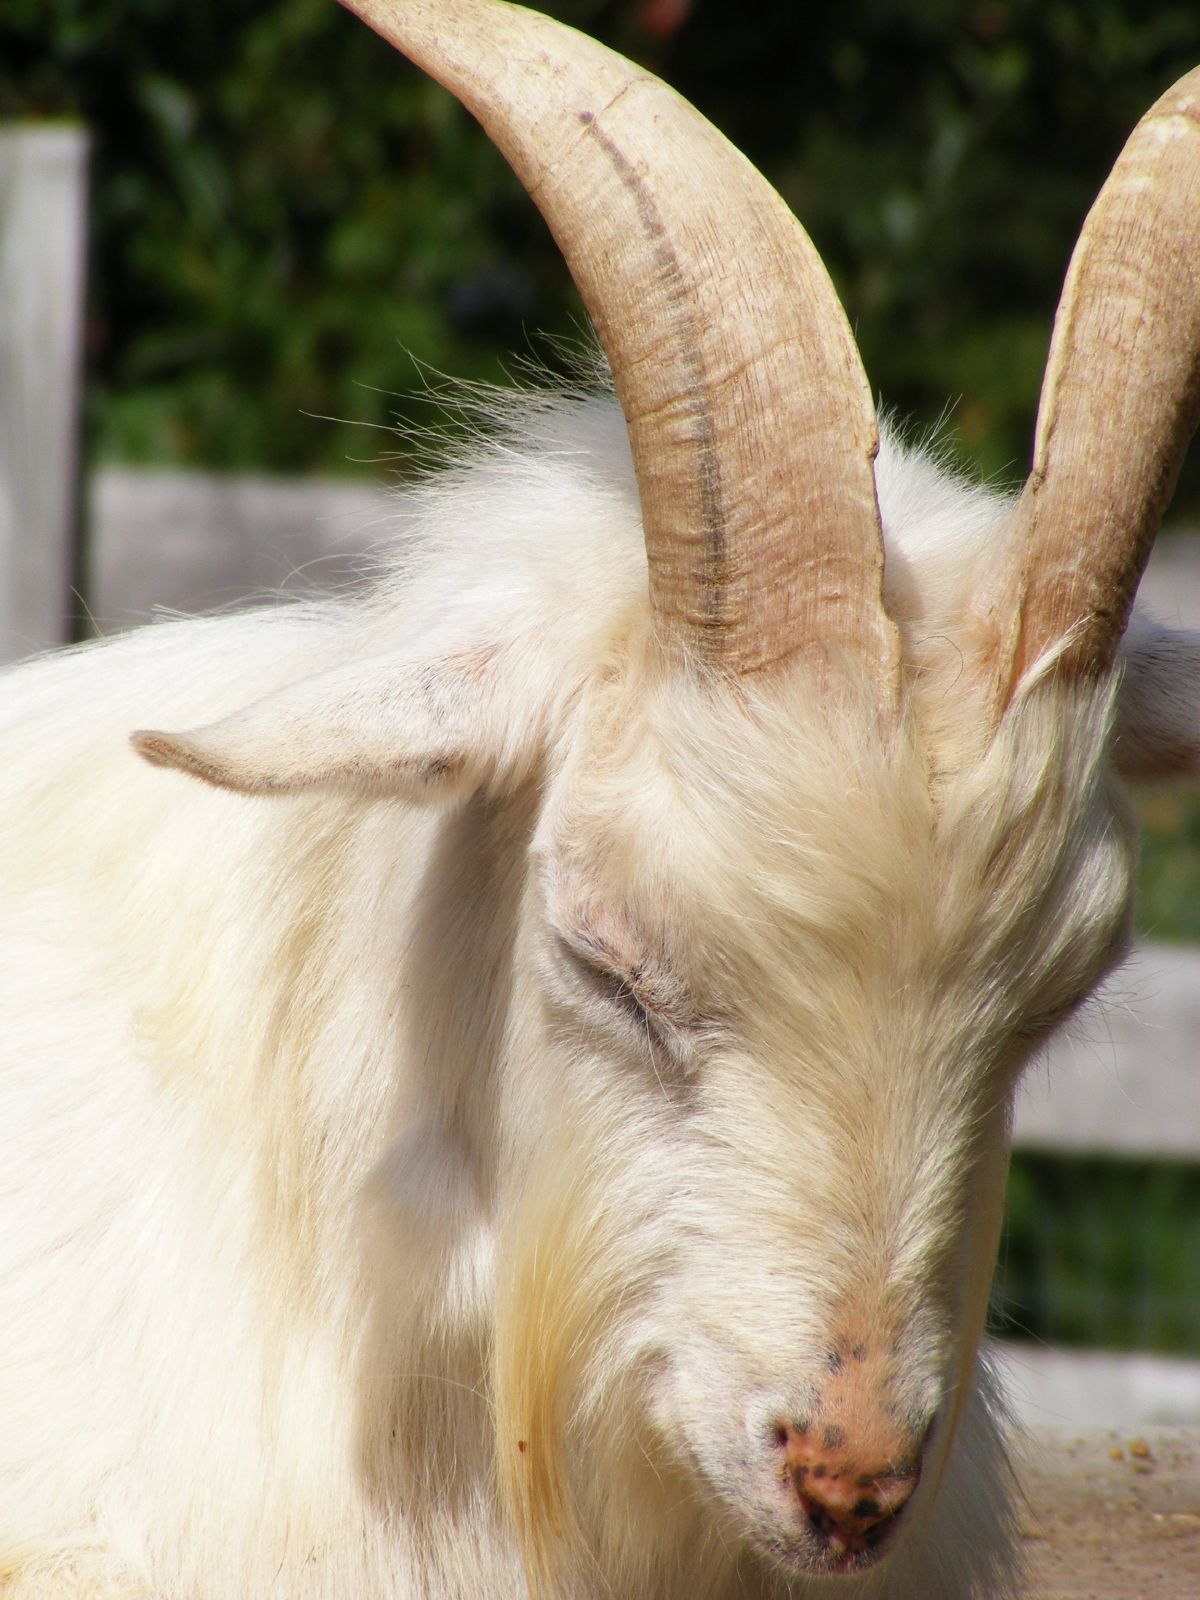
(826, 1552)
(813, 1558)
(842, 1554)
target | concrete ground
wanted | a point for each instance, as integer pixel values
(1112, 1516)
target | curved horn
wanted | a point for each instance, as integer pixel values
(1120, 400)
(750, 418)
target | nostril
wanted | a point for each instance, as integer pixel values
(851, 1525)
(851, 1498)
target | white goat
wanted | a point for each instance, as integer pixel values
(534, 1121)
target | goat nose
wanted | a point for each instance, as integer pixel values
(849, 1498)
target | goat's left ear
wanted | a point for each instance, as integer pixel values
(419, 725)
(1158, 708)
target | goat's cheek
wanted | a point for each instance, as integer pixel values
(709, 1424)
(733, 1461)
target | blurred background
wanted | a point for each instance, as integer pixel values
(287, 225)
(281, 211)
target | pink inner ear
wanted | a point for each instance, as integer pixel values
(1158, 706)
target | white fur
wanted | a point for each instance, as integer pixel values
(352, 1241)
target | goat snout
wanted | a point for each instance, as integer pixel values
(850, 1486)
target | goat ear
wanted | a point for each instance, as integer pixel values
(1158, 708)
(403, 724)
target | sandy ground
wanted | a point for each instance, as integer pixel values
(1113, 1516)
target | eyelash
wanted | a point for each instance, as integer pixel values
(611, 986)
(664, 1027)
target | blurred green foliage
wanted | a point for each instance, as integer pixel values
(1098, 1251)
(1168, 904)
(283, 208)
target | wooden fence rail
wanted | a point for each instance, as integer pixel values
(43, 179)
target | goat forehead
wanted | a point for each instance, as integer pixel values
(777, 850)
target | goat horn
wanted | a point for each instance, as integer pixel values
(751, 423)
(1120, 401)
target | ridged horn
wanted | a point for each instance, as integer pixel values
(751, 422)
(1120, 401)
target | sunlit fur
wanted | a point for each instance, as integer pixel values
(354, 1242)
(876, 950)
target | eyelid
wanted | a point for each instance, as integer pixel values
(590, 959)
(634, 992)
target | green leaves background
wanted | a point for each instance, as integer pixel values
(284, 210)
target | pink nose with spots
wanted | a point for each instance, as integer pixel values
(849, 1490)
(854, 1461)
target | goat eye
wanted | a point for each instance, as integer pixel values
(615, 988)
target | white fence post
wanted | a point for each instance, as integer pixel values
(43, 188)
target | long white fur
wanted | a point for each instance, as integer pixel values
(346, 1247)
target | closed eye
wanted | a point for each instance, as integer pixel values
(651, 1001)
(607, 983)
